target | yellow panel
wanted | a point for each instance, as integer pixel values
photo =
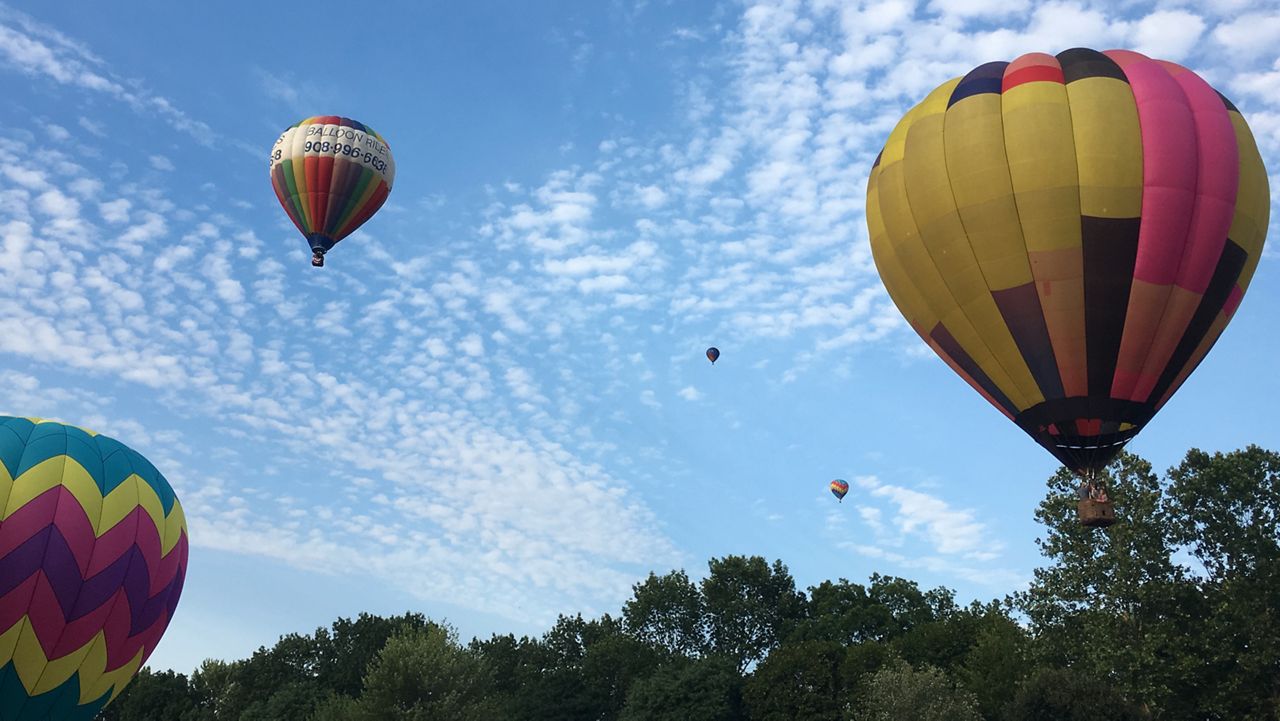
(901, 289)
(1042, 165)
(918, 268)
(970, 150)
(1253, 201)
(1104, 121)
(979, 170)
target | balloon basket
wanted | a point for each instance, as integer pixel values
(1096, 514)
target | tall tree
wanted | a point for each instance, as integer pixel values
(1226, 511)
(751, 607)
(668, 612)
(1112, 603)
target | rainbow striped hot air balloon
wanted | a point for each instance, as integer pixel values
(93, 552)
(839, 488)
(330, 174)
(1071, 234)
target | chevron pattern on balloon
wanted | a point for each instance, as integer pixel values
(93, 554)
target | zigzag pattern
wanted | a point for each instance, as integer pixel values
(93, 553)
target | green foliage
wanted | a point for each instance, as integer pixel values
(901, 692)
(668, 612)
(421, 675)
(1226, 508)
(707, 688)
(797, 681)
(1054, 694)
(997, 663)
(152, 695)
(751, 607)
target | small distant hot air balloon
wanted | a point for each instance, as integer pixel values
(330, 174)
(1071, 234)
(839, 488)
(712, 354)
(93, 552)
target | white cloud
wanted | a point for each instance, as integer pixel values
(115, 211)
(472, 345)
(950, 531)
(1249, 36)
(689, 393)
(1168, 34)
(603, 283)
(160, 162)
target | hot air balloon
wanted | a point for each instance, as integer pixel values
(1070, 234)
(839, 488)
(93, 552)
(712, 354)
(330, 174)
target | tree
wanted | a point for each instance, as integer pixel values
(842, 612)
(668, 612)
(707, 689)
(901, 692)
(751, 607)
(1112, 603)
(349, 646)
(1055, 694)
(423, 675)
(800, 680)
(152, 695)
(998, 662)
(1225, 510)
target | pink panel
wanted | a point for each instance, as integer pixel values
(1169, 177)
(1168, 166)
(1217, 180)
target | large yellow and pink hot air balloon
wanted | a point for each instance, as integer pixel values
(1071, 234)
(93, 553)
(330, 174)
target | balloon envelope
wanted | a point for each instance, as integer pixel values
(712, 354)
(839, 488)
(331, 174)
(93, 552)
(1071, 234)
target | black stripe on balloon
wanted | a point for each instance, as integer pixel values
(1225, 275)
(1022, 313)
(986, 78)
(878, 156)
(1053, 425)
(1110, 252)
(953, 349)
(1230, 105)
(1081, 63)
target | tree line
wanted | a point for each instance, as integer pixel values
(1173, 613)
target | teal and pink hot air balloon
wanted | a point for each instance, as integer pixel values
(93, 552)
(330, 174)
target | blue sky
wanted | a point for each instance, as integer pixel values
(492, 405)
